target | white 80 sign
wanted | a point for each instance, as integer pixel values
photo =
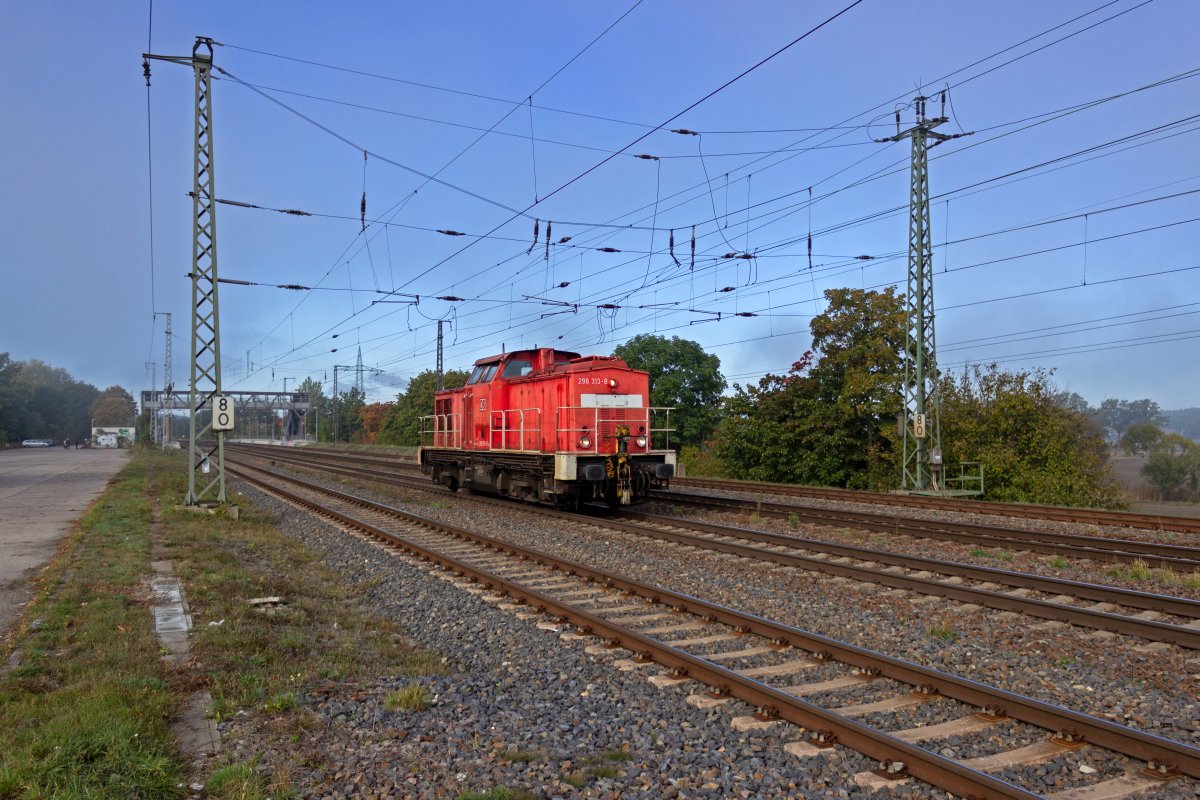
(222, 413)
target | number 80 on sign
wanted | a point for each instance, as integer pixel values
(222, 419)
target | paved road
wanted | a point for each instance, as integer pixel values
(42, 491)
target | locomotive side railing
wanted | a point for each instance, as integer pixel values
(441, 430)
(516, 429)
(590, 429)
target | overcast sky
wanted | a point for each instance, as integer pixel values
(1109, 297)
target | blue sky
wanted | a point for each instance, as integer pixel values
(1077, 295)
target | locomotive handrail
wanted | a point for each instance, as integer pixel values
(505, 429)
(569, 436)
(445, 431)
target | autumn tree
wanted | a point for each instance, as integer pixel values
(402, 425)
(114, 406)
(371, 418)
(831, 419)
(682, 377)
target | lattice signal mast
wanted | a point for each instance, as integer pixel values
(168, 380)
(206, 459)
(922, 423)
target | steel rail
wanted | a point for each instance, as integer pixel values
(1048, 542)
(1167, 754)
(1093, 516)
(1131, 626)
(1152, 630)
(1102, 548)
(1132, 598)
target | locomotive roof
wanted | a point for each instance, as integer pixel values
(563, 355)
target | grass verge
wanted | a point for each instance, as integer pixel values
(87, 712)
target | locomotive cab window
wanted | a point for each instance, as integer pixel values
(482, 373)
(517, 368)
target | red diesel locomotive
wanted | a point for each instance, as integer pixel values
(551, 427)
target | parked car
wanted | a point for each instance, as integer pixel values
(35, 443)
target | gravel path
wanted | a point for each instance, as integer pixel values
(503, 697)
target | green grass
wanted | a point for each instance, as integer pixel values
(1058, 562)
(943, 632)
(413, 697)
(86, 713)
(236, 782)
(498, 793)
(281, 702)
(605, 771)
(518, 756)
(1138, 571)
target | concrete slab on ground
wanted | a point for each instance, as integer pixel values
(42, 492)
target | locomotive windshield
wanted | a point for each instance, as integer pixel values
(517, 368)
(483, 373)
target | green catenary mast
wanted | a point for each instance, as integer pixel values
(921, 422)
(206, 447)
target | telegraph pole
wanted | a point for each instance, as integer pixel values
(206, 446)
(922, 423)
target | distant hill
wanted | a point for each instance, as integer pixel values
(1185, 421)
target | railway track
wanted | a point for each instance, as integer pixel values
(1048, 542)
(1102, 548)
(1088, 516)
(757, 661)
(1003, 590)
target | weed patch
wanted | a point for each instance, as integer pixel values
(413, 697)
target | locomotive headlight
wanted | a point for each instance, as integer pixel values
(612, 382)
(585, 442)
(641, 441)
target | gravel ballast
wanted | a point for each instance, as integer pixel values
(519, 693)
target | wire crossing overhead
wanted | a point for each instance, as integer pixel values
(922, 423)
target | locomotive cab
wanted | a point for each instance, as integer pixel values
(550, 426)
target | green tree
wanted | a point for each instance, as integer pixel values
(1115, 416)
(40, 401)
(1033, 448)
(317, 420)
(402, 424)
(346, 412)
(1141, 438)
(682, 377)
(831, 419)
(1173, 465)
